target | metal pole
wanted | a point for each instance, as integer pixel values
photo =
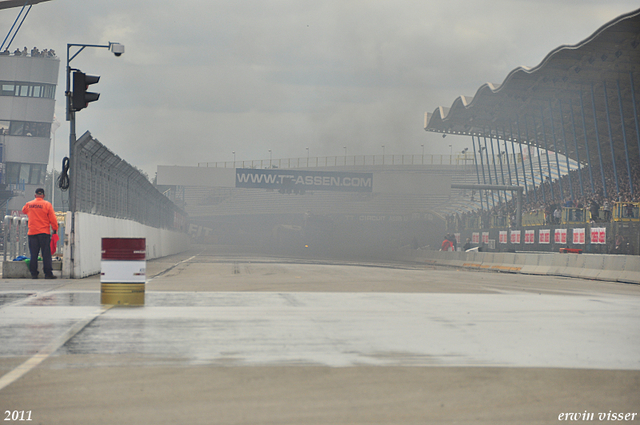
(555, 148)
(586, 144)
(624, 138)
(546, 148)
(544, 196)
(635, 111)
(475, 160)
(526, 128)
(613, 156)
(575, 142)
(595, 124)
(506, 152)
(566, 150)
(71, 172)
(524, 168)
(493, 200)
(495, 168)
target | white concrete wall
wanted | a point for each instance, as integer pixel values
(90, 229)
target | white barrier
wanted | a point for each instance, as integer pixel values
(90, 229)
(616, 268)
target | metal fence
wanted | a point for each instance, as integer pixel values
(107, 185)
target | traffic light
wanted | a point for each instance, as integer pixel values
(81, 97)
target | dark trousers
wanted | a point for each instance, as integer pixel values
(40, 243)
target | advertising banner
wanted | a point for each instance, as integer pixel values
(529, 236)
(515, 236)
(475, 237)
(544, 235)
(599, 235)
(300, 180)
(503, 236)
(560, 236)
(578, 236)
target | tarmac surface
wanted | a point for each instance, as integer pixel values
(253, 340)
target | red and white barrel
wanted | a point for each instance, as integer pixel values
(123, 260)
(124, 271)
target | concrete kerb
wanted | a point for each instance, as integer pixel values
(559, 264)
(576, 263)
(616, 268)
(612, 267)
(631, 271)
(529, 262)
(592, 267)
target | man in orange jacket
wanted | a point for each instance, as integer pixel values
(41, 219)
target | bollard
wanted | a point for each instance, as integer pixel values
(123, 273)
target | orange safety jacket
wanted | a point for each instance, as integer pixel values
(41, 216)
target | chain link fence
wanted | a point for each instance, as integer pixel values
(107, 185)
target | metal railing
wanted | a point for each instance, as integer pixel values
(626, 211)
(575, 215)
(534, 218)
(15, 239)
(348, 160)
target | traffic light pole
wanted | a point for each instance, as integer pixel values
(117, 49)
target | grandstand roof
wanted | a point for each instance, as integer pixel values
(6, 4)
(571, 80)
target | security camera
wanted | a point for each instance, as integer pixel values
(117, 48)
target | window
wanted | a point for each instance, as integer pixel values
(17, 128)
(19, 89)
(7, 90)
(4, 127)
(25, 173)
(27, 128)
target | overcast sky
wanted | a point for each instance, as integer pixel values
(200, 80)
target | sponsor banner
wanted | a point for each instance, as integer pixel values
(578, 236)
(529, 236)
(544, 236)
(475, 237)
(299, 180)
(503, 236)
(560, 236)
(485, 237)
(515, 236)
(599, 235)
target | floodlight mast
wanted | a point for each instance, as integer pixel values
(118, 50)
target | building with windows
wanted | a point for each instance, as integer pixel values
(27, 103)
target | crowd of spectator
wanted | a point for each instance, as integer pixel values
(548, 200)
(35, 53)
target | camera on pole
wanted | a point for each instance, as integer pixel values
(81, 97)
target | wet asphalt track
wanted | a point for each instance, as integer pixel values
(259, 340)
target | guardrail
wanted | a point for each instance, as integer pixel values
(626, 211)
